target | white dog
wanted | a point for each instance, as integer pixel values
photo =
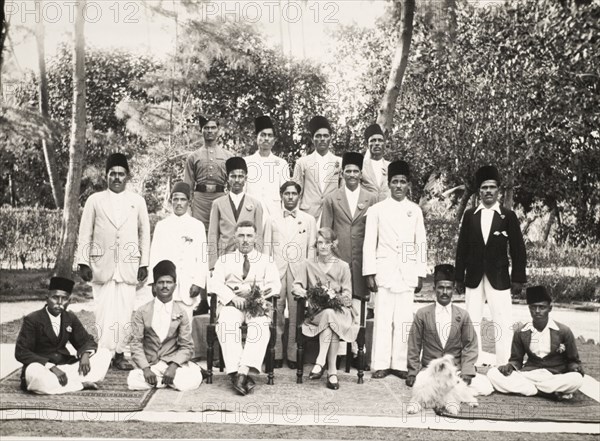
(440, 387)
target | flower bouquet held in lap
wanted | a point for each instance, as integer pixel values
(257, 304)
(320, 297)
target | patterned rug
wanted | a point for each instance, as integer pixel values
(113, 396)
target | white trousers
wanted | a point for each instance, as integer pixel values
(42, 381)
(528, 383)
(500, 304)
(229, 333)
(393, 318)
(114, 302)
(187, 377)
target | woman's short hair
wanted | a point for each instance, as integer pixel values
(329, 235)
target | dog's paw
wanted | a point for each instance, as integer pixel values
(452, 410)
(413, 408)
(473, 404)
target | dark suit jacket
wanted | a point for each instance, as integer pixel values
(556, 362)
(37, 342)
(461, 343)
(474, 257)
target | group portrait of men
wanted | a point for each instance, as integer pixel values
(238, 224)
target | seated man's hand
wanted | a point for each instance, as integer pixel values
(298, 292)
(85, 272)
(238, 302)
(410, 380)
(419, 285)
(506, 370)
(371, 283)
(149, 376)
(142, 273)
(84, 364)
(576, 368)
(468, 378)
(195, 291)
(516, 288)
(169, 374)
(62, 377)
(460, 287)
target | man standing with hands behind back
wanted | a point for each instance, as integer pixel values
(482, 261)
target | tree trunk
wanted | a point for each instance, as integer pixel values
(3, 34)
(551, 220)
(462, 205)
(64, 260)
(385, 116)
(47, 145)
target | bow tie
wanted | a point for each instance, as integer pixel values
(289, 213)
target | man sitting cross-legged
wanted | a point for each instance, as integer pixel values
(553, 368)
(443, 328)
(233, 277)
(48, 366)
(162, 346)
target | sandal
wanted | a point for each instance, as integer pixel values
(316, 375)
(330, 385)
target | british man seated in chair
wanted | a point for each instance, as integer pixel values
(48, 366)
(162, 346)
(236, 275)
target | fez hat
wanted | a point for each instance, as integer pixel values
(352, 158)
(181, 187)
(443, 272)
(261, 123)
(164, 268)
(398, 168)
(486, 173)
(537, 294)
(117, 160)
(61, 284)
(318, 122)
(202, 121)
(236, 163)
(373, 129)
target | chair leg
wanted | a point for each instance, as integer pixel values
(348, 357)
(360, 341)
(300, 340)
(271, 349)
(210, 352)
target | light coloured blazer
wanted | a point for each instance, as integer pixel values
(395, 247)
(182, 240)
(146, 347)
(222, 224)
(105, 246)
(306, 173)
(461, 343)
(228, 274)
(292, 247)
(350, 232)
(381, 189)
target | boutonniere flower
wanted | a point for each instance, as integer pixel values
(337, 165)
(498, 233)
(409, 213)
(561, 348)
(187, 239)
(384, 172)
(69, 329)
(177, 316)
(361, 206)
(249, 207)
(457, 318)
(502, 216)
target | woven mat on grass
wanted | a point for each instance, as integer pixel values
(113, 396)
(580, 409)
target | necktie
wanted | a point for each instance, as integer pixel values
(289, 213)
(245, 267)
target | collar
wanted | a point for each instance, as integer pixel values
(52, 318)
(237, 197)
(112, 194)
(322, 157)
(529, 326)
(439, 307)
(183, 217)
(354, 192)
(256, 154)
(394, 201)
(495, 207)
(160, 306)
(252, 255)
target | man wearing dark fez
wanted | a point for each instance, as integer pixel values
(552, 367)
(444, 328)
(374, 171)
(48, 366)
(482, 261)
(229, 210)
(162, 346)
(205, 170)
(318, 173)
(113, 253)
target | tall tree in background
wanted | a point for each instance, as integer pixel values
(385, 117)
(64, 260)
(3, 34)
(47, 142)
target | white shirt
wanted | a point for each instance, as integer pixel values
(487, 215)
(161, 319)
(378, 167)
(290, 222)
(265, 176)
(324, 170)
(443, 319)
(352, 197)
(55, 322)
(118, 203)
(540, 340)
(236, 198)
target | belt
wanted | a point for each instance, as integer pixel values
(210, 188)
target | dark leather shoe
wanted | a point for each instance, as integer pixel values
(381, 373)
(278, 364)
(330, 385)
(250, 383)
(398, 373)
(292, 365)
(316, 375)
(240, 384)
(370, 314)
(88, 385)
(120, 363)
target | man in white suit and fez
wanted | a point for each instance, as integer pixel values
(266, 172)
(395, 264)
(232, 279)
(113, 253)
(293, 240)
(374, 172)
(181, 239)
(162, 346)
(344, 211)
(318, 173)
(229, 210)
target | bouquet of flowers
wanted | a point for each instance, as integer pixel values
(320, 297)
(256, 304)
